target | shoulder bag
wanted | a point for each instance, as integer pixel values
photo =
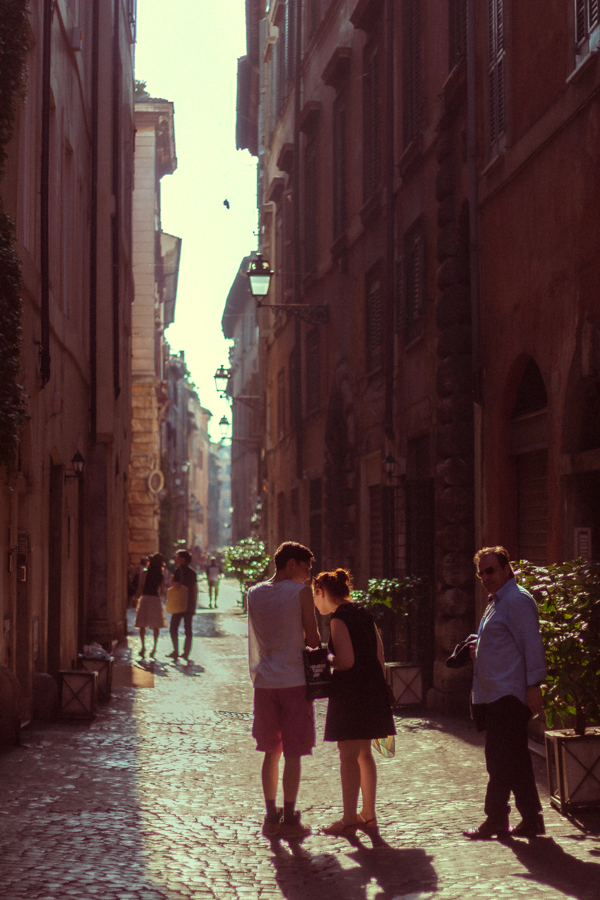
(318, 673)
(177, 598)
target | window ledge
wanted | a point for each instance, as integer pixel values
(411, 156)
(414, 342)
(494, 163)
(371, 209)
(583, 63)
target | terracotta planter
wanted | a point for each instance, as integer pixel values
(573, 769)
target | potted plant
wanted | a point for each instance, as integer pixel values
(568, 598)
(394, 603)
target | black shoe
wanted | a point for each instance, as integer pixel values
(529, 827)
(487, 830)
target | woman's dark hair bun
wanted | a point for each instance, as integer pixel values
(341, 575)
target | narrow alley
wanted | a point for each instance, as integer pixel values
(159, 798)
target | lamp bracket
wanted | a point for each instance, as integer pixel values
(313, 314)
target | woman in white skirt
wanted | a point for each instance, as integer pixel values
(149, 610)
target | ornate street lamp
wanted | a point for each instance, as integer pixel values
(78, 463)
(222, 376)
(259, 275)
(224, 426)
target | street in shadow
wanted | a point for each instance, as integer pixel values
(302, 875)
(548, 863)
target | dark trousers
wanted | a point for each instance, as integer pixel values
(508, 761)
(174, 631)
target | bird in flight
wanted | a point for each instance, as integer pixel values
(226, 204)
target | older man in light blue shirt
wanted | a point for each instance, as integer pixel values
(508, 672)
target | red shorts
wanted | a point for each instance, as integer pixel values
(283, 720)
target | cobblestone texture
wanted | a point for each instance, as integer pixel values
(159, 798)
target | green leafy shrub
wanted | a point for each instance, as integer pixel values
(568, 599)
(247, 561)
(395, 606)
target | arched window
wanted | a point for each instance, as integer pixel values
(529, 443)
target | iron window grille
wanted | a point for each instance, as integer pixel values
(374, 322)
(496, 72)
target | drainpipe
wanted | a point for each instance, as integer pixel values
(473, 192)
(94, 224)
(388, 337)
(45, 194)
(474, 265)
(116, 190)
(297, 245)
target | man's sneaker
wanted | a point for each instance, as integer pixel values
(272, 823)
(529, 827)
(294, 830)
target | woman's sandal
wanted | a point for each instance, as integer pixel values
(340, 828)
(366, 824)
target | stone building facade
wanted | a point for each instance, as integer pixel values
(427, 181)
(68, 187)
(155, 270)
(240, 324)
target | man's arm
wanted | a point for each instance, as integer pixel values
(309, 619)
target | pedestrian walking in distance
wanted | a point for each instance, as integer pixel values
(184, 574)
(281, 622)
(213, 575)
(149, 610)
(359, 704)
(509, 668)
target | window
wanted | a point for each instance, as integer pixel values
(281, 517)
(310, 206)
(496, 72)
(294, 385)
(413, 281)
(587, 30)
(412, 98)
(374, 323)
(284, 225)
(313, 371)
(339, 166)
(371, 124)
(281, 404)
(457, 30)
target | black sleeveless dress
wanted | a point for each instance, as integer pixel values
(359, 708)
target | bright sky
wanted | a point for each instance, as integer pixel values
(187, 52)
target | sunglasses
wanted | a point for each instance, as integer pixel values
(489, 571)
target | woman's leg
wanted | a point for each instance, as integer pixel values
(156, 634)
(368, 780)
(350, 773)
(142, 638)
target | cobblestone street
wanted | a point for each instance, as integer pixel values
(159, 798)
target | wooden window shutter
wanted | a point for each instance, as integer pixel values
(371, 124)
(339, 166)
(457, 30)
(496, 70)
(411, 70)
(414, 284)
(288, 247)
(313, 371)
(310, 207)
(374, 324)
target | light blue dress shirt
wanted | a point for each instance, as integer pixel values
(509, 652)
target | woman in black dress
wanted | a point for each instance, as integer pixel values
(359, 706)
(149, 610)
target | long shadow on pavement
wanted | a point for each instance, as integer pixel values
(549, 864)
(304, 876)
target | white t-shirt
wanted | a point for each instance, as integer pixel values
(214, 573)
(276, 635)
